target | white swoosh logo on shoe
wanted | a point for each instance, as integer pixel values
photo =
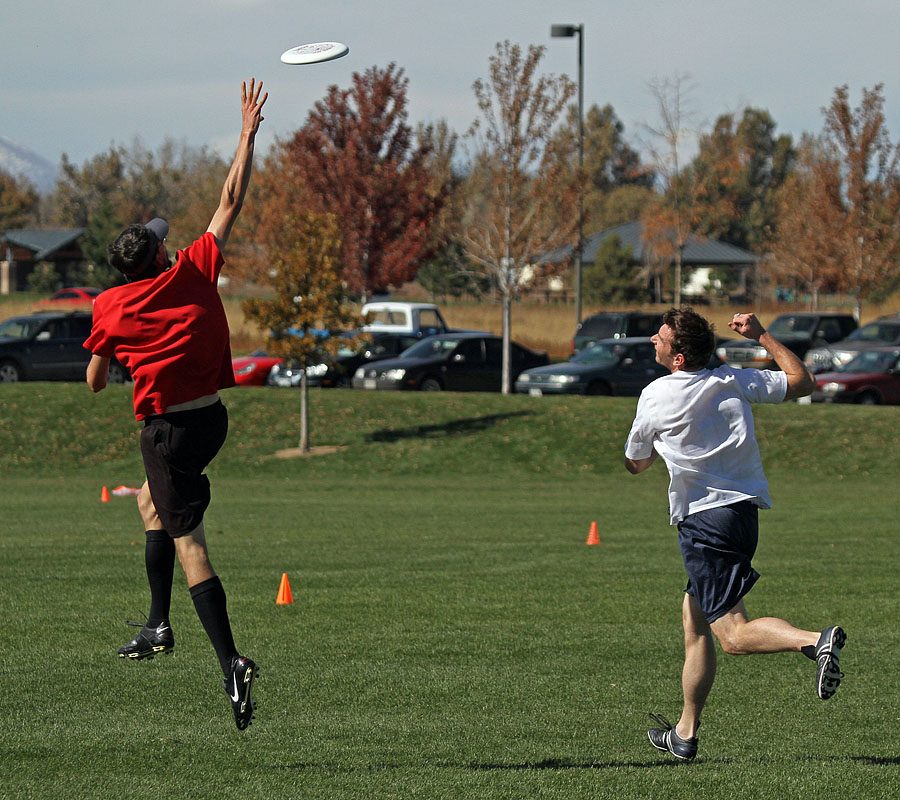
(235, 696)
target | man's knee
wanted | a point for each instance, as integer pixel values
(147, 509)
(731, 645)
(193, 556)
(730, 637)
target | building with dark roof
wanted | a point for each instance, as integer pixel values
(23, 250)
(698, 251)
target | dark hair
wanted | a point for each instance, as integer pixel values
(134, 251)
(694, 336)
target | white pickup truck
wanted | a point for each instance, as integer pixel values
(390, 316)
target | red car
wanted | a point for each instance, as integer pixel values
(253, 370)
(75, 297)
(871, 377)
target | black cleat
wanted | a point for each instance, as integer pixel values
(149, 642)
(668, 740)
(828, 673)
(237, 686)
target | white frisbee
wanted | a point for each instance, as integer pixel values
(314, 53)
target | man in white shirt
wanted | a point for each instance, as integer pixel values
(700, 422)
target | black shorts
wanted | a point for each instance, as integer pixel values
(717, 545)
(177, 448)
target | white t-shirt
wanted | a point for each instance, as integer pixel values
(702, 426)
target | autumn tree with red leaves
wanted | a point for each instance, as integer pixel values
(841, 216)
(358, 160)
(806, 252)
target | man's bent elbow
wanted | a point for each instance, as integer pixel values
(803, 386)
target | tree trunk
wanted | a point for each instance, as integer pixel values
(304, 412)
(507, 348)
(676, 293)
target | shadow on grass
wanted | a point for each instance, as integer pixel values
(547, 764)
(558, 764)
(457, 427)
(880, 761)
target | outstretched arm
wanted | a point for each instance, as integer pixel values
(239, 175)
(800, 380)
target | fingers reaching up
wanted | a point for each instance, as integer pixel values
(251, 105)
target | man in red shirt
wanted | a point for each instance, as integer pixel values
(167, 325)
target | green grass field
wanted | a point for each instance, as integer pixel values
(451, 634)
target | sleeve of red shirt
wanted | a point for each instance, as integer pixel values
(205, 255)
(99, 342)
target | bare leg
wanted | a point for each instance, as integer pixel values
(194, 557)
(191, 548)
(148, 510)
(699, 669)
(742, 637)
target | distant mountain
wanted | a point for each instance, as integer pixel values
(21, 162)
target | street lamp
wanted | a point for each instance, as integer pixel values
(568, 31)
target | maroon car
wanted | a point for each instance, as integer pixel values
(871, 377)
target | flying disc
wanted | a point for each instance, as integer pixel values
(314, 53)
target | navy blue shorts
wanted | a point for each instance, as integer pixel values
(717, 545)
(177, 448)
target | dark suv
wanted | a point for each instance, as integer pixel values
(47, 346)
(884, 330)
(614, 325)
(799, 332)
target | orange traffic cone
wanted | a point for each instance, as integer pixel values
(104, 495)
(284, 591)
(593, 536)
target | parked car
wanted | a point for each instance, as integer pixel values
(608, 367)
(614, 325)
(76, 297)
(457, 362)
(883, 331)
(253, 370)
(338, 369)
(48, 346)
(871, 377)
(799, 332)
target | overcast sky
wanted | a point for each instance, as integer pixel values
(80, 76)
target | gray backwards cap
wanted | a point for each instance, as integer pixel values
(158, 227)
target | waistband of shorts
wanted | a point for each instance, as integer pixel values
(190, 405)
(186, 414)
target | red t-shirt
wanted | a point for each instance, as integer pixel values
(169, 331)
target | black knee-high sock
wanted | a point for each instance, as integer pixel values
(159, 555)
(210, 602)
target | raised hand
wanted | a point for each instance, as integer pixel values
(747, 325)
(251, 106)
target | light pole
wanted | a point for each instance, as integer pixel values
(568, 31)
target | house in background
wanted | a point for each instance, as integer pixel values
(699, 252)
(23, 250)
